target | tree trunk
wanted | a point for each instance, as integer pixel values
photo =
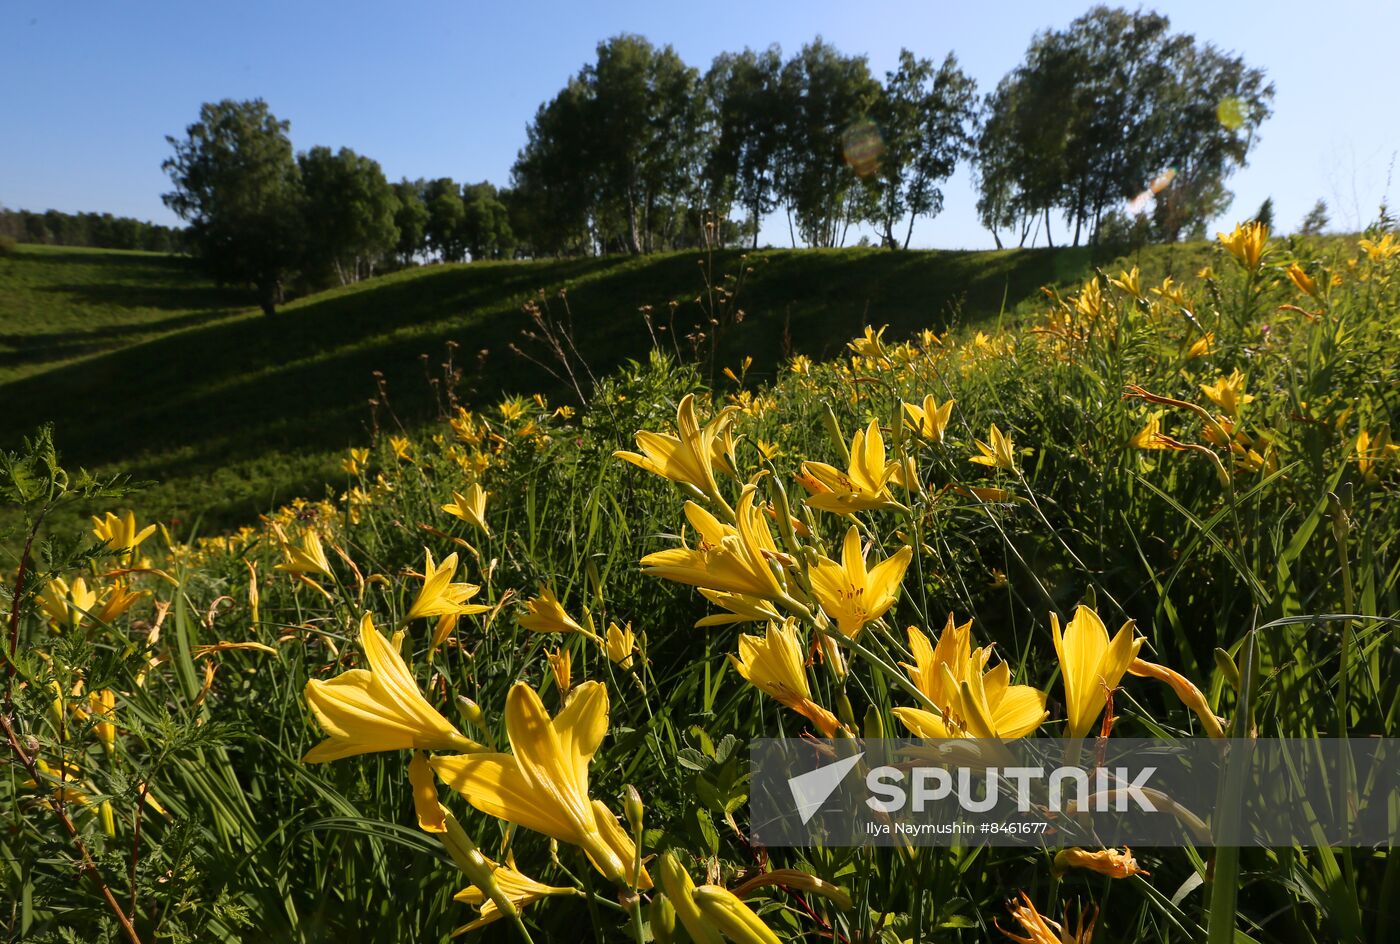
(755, 225)
(1049, 241)
(908, 234)
(995, 236)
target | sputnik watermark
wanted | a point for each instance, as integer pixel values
(1049, 792)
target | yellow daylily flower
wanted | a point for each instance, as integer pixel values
(978, 704)
(1379, 250)
(1129, 283)
(1302, 280)
(1202, 346)
(863, 486)
(687, 458)
(774, 666)
(1108, 862)
(1091, 664)
(561, 666)
(545, 614)
(67, 605)
(1246, 243)
(1228, 392)
(439, 596)
(470, 507)
(739, 609)
(1375, 453)
(620, 643)
(953, 649)
(930, 420)
(542, 784)
(400, 446)
(425, 795)
(710, 913)
(520, 889)
(1001, 454)
(356, 462)
(1150, 436)
(1190, 695)
(852, 595)
(1042, 930)
(870, 343)
(102, 705)
(120, 534)
(377, 709)
(309, 558)
(729, 559)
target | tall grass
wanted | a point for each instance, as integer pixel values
(1253, 541)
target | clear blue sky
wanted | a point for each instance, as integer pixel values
(446, 89)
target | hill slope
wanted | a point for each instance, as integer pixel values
(230, 411)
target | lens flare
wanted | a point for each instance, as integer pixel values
(862, 147)
(1159, 183)
(1230, 113)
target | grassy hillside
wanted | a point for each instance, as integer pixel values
(58, 304)
(142, 365)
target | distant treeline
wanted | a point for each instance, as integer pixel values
(93, 230)
(1115, 125)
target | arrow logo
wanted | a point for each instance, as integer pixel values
(810, 790)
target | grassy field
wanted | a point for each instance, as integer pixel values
(143, 365)
(322, 726)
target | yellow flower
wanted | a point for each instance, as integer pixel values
(1108, 862)
(954, 649)
(309, 558)
(543, 784)
(545, 614)
(741, 609)
(768, 450)
(620, 643)
(930, 420)
(1203, 346)
(377, 709)
(120, 534)
(1091, 664)
(852, 595)
(975, 703)
(1001, 454)
(1305, 283)
(1130, 283)
(1380, 250)
(355, 462)
(400, 444)
(561, 665)
(1246, 243)
(774, 666)
(1373, 454)
(870, 344)
(103, 706)
(729, 559)
(1149, 437)
(863, 486)
(439, 595)
(470, 507)
(1042, 930)
(66, 605)
(1228, 393)
(518, 888)
(689, 458)
(722, 909)
(1190, 695)
(425, 795)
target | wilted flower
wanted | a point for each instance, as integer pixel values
(1108, 862)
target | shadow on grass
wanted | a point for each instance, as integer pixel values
(189, 404)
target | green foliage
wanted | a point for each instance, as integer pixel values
(1100, 110)
(1274, 589)
(215, 405)
(349, 212)
(93, 230)
(239, 188)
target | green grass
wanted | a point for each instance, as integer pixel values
(142, 365)
(60, 304)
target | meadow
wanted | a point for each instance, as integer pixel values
(496, 672)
